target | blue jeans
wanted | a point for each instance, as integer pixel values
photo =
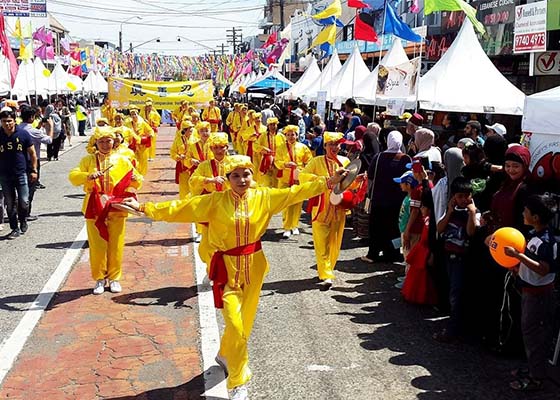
(455, 265)
(16, 197)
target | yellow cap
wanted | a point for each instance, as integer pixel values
(357, 111)
(329, 137)
(101, 132)
(290, 128)
(133, 107)
(244, 107)
(218, 139)
(102, 120)
(149, 102)
(237, 161)
(186, 124)
(195, 114)
(272, 120)
(203, 125)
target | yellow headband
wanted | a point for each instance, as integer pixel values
(329, 137)
(291, 128)
(237, 161)
(101, 132)
(203, 125)
(218, 139)
(186, 124)
(272, 120)
(101, 120)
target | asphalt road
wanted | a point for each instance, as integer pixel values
(28, 262)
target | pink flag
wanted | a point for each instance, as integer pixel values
(414, 8)
(7, 49)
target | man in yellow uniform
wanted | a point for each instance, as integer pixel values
(179, 113)
(213, 115)
(108, 112)
(237, 219)
(179, 153)
(233, 121)
(251, 134)
(153, 118)
(146, 134)
(107, 178)
(327, 219)
(291, 157)
(267, 147)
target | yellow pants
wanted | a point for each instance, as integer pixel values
(105, 257)
(327, 240)
(142, 154)
(152, 153)
(240, 309)
(290, 217)
(184, 187)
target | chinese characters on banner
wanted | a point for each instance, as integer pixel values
(165, 95)
(530, 28)
(398, 82)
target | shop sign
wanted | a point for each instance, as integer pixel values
(547, 63)
(530, 28)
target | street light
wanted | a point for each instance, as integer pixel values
(142, 44)
(195, 42)
(120, 30)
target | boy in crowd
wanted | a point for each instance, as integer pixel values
(536, 272)
(407, 184)
(458, 224)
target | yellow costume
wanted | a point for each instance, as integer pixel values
(109, 113)
(267, 174)
(233, 121)
(179, 153)
(327, 220)
(179, 113)
(213, 115)
(154, 119)
(235, 223)
(106, 243)
(142, 129)
(301, 155)
(250, 134)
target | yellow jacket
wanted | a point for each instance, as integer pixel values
(91, 163)
(109, 113)
(178, 114)
(301, 156)
(211, 114)
(193, 152)
(204, 171)
(153, 118)
(125, 151)
(141, 129)
(233, 120)
(236, 221)
(180, 146)
(322, 166)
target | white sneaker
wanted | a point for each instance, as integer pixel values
(197, 238)
(1, 227)
(287, 234)
(99, 287)
(239, 393)
(115, 287)
(295, 231)
(221, 361)
(327, 283)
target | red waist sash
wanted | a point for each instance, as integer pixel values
(218, 271)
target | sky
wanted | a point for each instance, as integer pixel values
(204, 23)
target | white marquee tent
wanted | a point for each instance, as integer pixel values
(342, 85)
(4, 75)
(59, 81)
(31, 79)
(465, 80)
(328, 73)
(541, 112)
(311, 74)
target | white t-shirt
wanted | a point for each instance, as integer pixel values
(541, 247)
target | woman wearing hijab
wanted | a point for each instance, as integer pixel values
(441, 192)
(386, 198)
(424, 143)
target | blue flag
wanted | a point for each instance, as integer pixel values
(396, 26)
(330, 21)
(327, 49)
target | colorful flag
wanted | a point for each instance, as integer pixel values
(330, 21)
(334, 9)
(431, 6)
(396, 26)
(414, 7)
(357, 4)
(272, 39)
(7, 49)
(327, 35)
(363, 27)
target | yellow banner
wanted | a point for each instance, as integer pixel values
(124, 93)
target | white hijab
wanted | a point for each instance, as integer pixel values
(394, 142)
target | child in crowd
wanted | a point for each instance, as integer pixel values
(458, 224)
(418, 286)
(536, 272)
(407, 184)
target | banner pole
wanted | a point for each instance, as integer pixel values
(380, 54)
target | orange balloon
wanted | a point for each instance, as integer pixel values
(242, 89)
(502, 238)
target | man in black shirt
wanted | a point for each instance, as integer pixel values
(18, 167)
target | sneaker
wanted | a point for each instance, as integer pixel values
(99, 287)
(221, 361)
(23, 227)
(239, 393)
(326, 283)
(399, 285)
(115, 287)
(41, 186)
(401, 278)
(287, 234)
(197, 238)
(1, 227)
(13, 234)
(32, 218)
(295, 231)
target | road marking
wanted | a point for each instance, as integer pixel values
(14, 344)
(214, 378)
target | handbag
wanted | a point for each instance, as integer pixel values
(367, 203)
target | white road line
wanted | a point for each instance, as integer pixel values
(14, 344)
(214, 378)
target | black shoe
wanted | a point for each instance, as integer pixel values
(41, 186)
(32, 218)
(13, 234)
(23, 227)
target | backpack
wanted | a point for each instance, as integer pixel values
(57, 124)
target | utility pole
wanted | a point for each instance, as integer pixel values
(281, 15)
(223, 50)
(235, 38)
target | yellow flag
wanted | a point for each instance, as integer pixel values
(326, 35)
(334, 9)
(25, 52)
(26, 31)
(17, 29)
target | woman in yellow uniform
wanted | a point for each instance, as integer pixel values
(142, 129)
(121, 147)
(210, 177)
(213, 115)
(107, 111)
(131, 138)
(251, 134)
(153, 118)
(179, 153)
(179, 113)
(233, 121)
(327, 219)
(291, 158)
(107, 177)
(266, 147)
(243, 125)
(237, 219)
